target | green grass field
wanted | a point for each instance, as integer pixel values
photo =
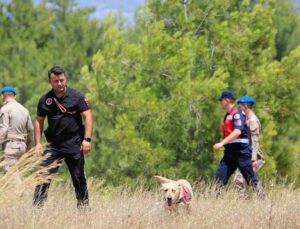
(127, 207)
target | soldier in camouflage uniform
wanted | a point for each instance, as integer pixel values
(16, 129)
(254, 127)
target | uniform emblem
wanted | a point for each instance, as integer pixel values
(49, 101)
(236, 116)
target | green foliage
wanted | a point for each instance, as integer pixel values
(153, 86)
(34, 38)
(154, 93)
(287, 23)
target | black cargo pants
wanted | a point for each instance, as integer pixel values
(69, 151)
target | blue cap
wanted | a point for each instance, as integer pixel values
(8, 89)
(246, 99)
(226, 94)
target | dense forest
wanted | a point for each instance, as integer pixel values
(153, 84)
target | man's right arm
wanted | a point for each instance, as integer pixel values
(38, 130)
(232, 136)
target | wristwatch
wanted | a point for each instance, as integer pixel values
(87, 139)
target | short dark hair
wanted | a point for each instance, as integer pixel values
(249, 105)
(56, 70)
(8, 93)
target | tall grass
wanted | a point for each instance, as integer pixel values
(125, 207)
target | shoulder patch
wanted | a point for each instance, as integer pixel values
(49, 101)
(237, 116)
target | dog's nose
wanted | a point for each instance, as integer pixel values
(169, 199)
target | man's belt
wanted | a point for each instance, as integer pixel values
(240, 140)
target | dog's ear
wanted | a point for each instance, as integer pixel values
(162, 180)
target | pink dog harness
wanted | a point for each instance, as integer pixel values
(185, 195)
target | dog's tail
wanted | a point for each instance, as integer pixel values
(162, 179)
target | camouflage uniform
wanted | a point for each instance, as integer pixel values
(254, 128)
(16, 131)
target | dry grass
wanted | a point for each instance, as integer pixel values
(123, 207)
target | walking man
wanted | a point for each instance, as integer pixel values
(238, 152)
(246, 103)
(16, 129)
(67, 138)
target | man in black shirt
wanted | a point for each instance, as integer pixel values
(67, 137)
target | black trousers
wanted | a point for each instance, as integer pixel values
(69, 151)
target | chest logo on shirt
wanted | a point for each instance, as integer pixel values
(49, 101)
(236, 116)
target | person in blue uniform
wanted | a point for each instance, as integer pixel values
(238, 152)
(68, 139)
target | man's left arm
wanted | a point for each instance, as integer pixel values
(254, 135)
(4, 125)
(30, 133)
(88, 129)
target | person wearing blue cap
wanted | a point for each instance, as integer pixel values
(246, 103)
(16, 129)
(235, 140)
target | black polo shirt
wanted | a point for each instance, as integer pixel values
(62, 126)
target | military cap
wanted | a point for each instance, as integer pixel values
(8, 89)
(246, 99)
(226, 94)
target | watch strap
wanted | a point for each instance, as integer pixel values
(87, 139)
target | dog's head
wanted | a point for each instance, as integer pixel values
(170, 189)
(171, 192)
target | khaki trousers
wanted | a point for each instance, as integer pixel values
(239, 181)
(13, 150)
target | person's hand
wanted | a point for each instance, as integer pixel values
(39, 149)
(218, 146)
(85, 147)
(254, 165)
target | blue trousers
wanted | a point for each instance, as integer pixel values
(236, 156)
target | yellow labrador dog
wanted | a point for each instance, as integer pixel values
(176, 193)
